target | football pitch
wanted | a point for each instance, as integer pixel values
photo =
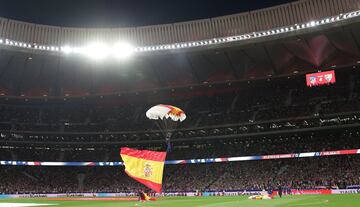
(350, 200)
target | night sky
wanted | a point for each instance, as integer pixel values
(113, 13)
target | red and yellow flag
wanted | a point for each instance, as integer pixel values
(145, 197)
(145, 166)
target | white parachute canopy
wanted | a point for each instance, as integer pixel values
(163, 111)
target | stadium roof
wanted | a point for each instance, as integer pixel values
(32, 67)
(115, 13)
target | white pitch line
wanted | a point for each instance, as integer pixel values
(306, 204)
(24, 204)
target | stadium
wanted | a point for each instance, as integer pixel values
(259, 108)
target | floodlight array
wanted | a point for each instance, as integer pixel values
(100, 50)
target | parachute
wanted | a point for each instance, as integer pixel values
(167, 118)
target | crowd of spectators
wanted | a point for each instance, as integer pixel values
(279, 144)
(301, 173)
(247, 103)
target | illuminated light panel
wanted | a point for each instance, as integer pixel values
(100, 50)
(95, 51)
(123, 50)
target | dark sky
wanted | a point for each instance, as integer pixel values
(112, 13)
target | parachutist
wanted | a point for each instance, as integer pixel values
(167, 118)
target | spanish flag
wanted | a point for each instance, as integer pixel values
(145, 166)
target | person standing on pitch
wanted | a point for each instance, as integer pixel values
(280, 190)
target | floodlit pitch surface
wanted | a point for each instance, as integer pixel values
(350, 200)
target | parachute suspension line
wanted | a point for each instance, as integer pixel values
(166, 118)
(167, 134)
(163, 126)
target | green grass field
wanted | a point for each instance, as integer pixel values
(350, 200)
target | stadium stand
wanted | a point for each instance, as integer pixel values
(309, 173)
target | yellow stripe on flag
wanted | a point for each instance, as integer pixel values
(144, 169)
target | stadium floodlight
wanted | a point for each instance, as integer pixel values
(95, 51)
(123, 50)
(1, 41)
(66, 49)
(78, 50)
(312, 23)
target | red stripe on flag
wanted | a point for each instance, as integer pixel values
(144, 154)
(154, 186)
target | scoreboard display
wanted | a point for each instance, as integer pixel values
(320, 78)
